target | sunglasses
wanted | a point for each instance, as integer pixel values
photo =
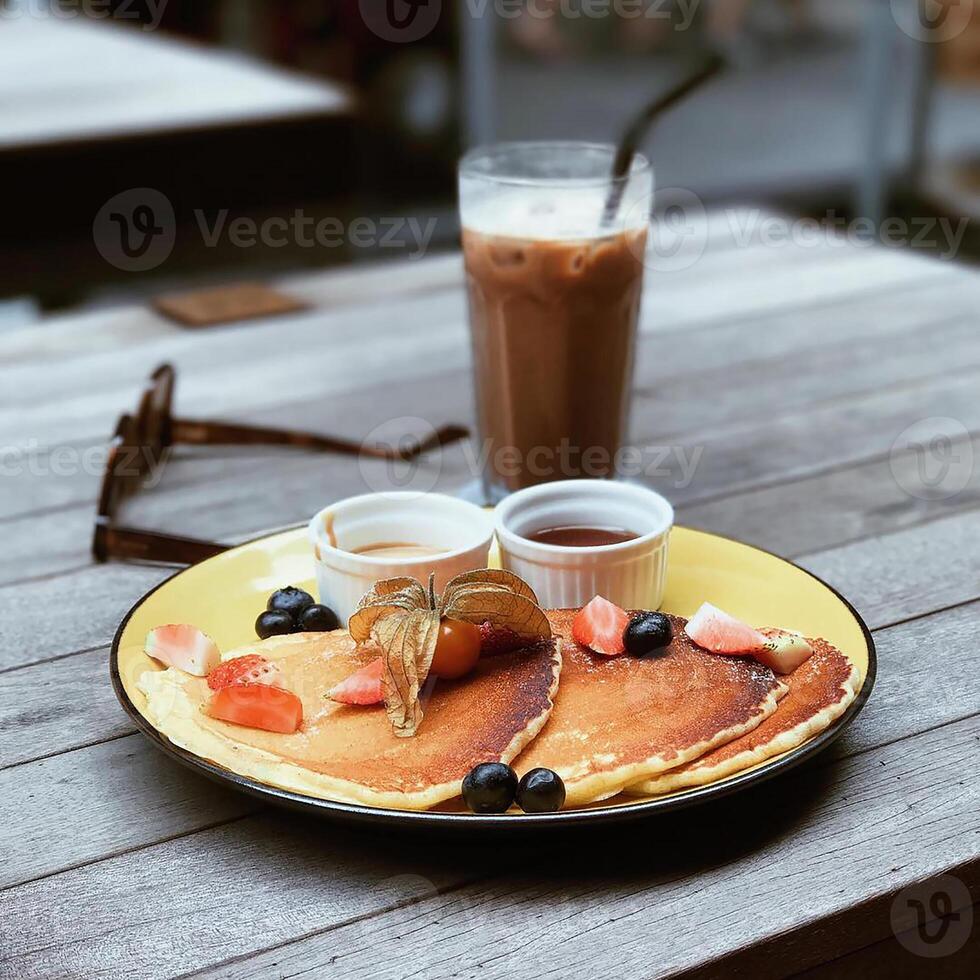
(142, 442)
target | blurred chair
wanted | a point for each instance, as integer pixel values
(883, 39)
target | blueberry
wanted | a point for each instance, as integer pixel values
(290, 600)
(317, 619)
(274, 623)
(489, 787)
(541, 791)
(648, 633)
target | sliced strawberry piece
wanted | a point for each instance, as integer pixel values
(258, 706)
(784, 651)
(494, 640)
(600, 626)
(362, 687)
(250, 669)
(717, 631)
(184, 647)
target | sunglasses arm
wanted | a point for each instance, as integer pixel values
(129, 544)
(207, 433)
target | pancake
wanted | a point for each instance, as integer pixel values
(351, 754)
(820, 689)
(620, 720)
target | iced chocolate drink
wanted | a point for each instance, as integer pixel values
(554, 297)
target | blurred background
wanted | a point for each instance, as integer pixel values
(345, 108)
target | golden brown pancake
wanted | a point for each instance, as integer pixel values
(619, 720)
(819, 691)
(351, 754)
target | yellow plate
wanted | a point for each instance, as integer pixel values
(224, 595)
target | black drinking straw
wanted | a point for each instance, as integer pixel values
(639, 127)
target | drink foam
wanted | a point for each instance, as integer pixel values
(568, 214)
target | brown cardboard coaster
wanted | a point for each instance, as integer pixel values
(225, 304)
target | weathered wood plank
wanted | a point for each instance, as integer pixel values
(81, 611)
(112, 799)
(313, 353)
(188, 902)
(897, 576)
(858, 815)
(67, 337)
(812, 376)
(839, 506)
(58, 706)
(918, 687)
(746, 455)
(718, 288)
(667, 354)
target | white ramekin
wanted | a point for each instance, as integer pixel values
(463, 530)
(632, 574)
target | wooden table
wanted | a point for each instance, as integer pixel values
(793, 370)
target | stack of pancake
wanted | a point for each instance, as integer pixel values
(643, 726)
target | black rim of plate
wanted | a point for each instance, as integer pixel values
(360, 813)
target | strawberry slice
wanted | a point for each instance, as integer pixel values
(713, 629)
(784, 651)
(258, 706)
(250, 669)
(184, 647)
(362, 687)
(600, 626)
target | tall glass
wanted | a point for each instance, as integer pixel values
(554, 298)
